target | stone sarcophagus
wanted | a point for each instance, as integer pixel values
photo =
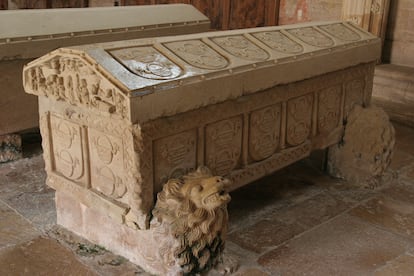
(120, 119)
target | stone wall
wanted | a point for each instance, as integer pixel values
(399, 44)
(295, 11)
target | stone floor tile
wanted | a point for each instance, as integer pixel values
(313, 211)
(41, 257)
(252, 272)
(279, 190)
(14, 229)
(400, 192)
(403, 133)
(94, 256)
(38, 207)
(264, 235)
(343, 246)
(22, 176)
(402, 265)
(397, 216)
(22, 185)
(407, 174)
(400, 159)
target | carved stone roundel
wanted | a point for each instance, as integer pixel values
(241, 47)
(279, 42)
(147, 62)
(198, 54)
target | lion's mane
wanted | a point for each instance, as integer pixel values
(191, 222)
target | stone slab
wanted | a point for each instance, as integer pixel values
(402, 265)
(41, 256)
(394, 215)
(14, 229)
(343, 246)
(55, 27)
(23, 187)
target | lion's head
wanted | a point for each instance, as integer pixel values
(192, 210)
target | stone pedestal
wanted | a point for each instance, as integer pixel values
(366, 149)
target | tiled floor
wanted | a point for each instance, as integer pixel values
(295, 222)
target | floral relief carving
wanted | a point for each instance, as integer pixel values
(198, 54)
(329, 110)
(174, 156)
(299, 119)
(241, 47)
(264, 132)
(223, 145)
(72, 80)
(147, 62)
(280, 42)
(312, 37)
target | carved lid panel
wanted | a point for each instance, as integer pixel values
(312, 36)
(198, 54)
(279, 42)
(341, 31)
(147, 62)
(239, 46)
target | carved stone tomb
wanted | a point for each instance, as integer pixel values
(119, 120)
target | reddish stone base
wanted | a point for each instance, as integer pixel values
(135, 245)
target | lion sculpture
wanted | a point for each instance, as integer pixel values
(190, 222)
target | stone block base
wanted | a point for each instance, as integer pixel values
(100, 229)
(10, 147)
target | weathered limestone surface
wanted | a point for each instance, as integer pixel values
(20, 42)
(367, 146)
(120, 119)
